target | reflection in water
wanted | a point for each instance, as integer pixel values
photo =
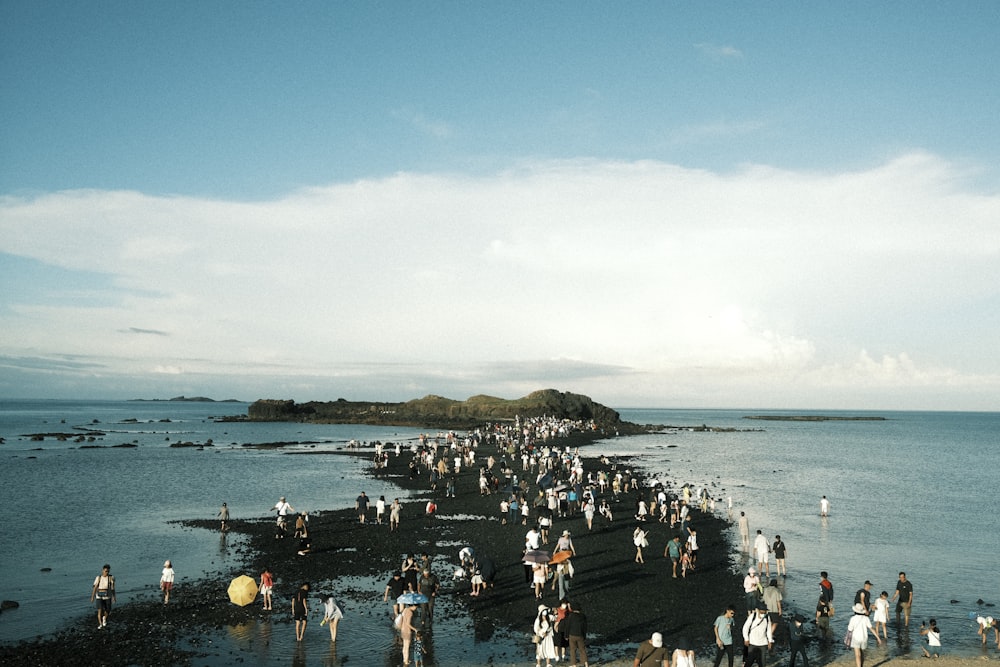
(223, 544)
(299, 656)
(330, 659)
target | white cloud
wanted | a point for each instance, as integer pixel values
(711, 284)
(719, 51)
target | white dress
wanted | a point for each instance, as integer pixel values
(545, 649)
(881, 611)
(859, 626)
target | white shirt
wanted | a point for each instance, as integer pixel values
(532, 538)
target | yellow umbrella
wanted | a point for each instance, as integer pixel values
(242, 590)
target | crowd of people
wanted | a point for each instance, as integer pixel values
(541, 486)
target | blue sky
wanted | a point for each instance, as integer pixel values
(656, 204)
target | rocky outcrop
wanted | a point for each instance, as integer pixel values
(440, 412)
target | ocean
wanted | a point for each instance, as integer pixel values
(915, 492)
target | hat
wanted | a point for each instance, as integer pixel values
(566, 532)
(867, 583)
(656, 640)
(858, 608)
(683, 644)
(799, 618)
(752, 570)
(541, 608)
(761, 607)
(282, 497)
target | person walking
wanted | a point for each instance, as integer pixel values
(858, 628)
(762, 554)
(904, 591)
(778, 547)
(640, 541)
(224, 517)
(757, 637)
(723, 629)
(544, 637)
(751, 586)
(744, 531)
(797, 640)
(104, 593)
(576, 631)
(266, 586)
(167, 581)
(407, 631)
(683, 654)
(651, 653)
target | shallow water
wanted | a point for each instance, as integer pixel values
(915, 492)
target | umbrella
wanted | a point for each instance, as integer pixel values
(561, 487)
(412, 598)
(560, 556)
(536, 556)
(242, 590)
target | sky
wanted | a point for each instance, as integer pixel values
(750, 205)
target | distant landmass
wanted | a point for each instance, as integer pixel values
(185, 399)
(438, 412)
(813, 418)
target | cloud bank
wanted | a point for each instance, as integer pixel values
(639, 283)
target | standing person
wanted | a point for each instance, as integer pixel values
(881, 616)
(683, 654)
(858, 627)
(723, 628)
(673, 549)
(744, 531)
(544, 637)
(300, 610)
(332, 614)
(904, 591)
(797, 640)
(407, 630)
(762, 551)
(104, 593)
(640, 541)
(380, 505)
(283, 509)
(751, 582)
(394, 587)
(823, 613)
(266, 586)
(224, 517)
(778, 547)
(826, 587)
(757, 637)
(576, 631)
(418, 649)
(394, 511)
(565, 543)
(933, 639)
(864, 596)
(428, 585)
(693, 546)
(651, 653)
(824, 507)
(167, 581)
(772, 600)
(539, 574)
(410, 571)
(361, 505)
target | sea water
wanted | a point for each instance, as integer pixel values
(915, 492)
